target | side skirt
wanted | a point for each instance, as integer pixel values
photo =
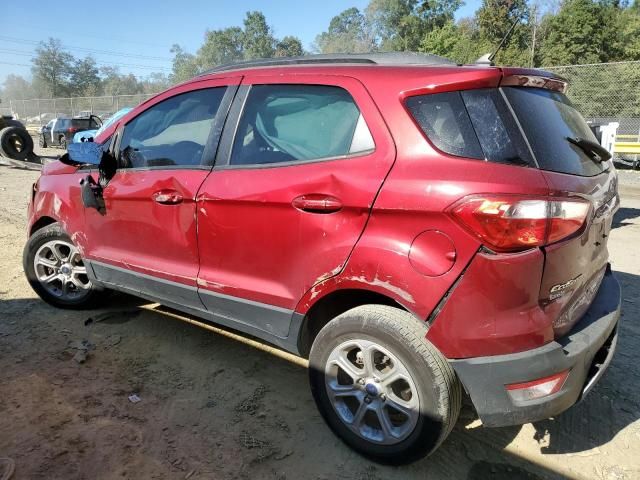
(275, 325)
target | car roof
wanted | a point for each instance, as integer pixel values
(360, 59)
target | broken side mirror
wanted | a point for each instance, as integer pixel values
(90, 153)
(92, 194)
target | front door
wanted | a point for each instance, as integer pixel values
(297, 172)
(146, 241)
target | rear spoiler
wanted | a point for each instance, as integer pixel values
(523, 77)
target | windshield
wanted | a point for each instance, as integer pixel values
(548, 118)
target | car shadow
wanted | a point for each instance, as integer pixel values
(623, 215)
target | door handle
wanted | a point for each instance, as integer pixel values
(317, 203)
(167, 197)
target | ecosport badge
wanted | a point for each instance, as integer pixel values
(563, 286)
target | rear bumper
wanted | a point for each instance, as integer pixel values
(586, 351)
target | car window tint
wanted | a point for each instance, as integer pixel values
(173, 132)
(495, 127)
(548, 119)
(286, 123)
(444, 120)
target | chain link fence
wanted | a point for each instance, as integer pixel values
(38, 112)
(608, 92)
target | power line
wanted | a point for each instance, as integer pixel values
(98, 62)
(25, 41)
(112, 38)
(17, 64)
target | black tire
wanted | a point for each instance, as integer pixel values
(42, 142)
(403, 335)
(63, 141)
(14, 123)
(91, 299)
(15, 143)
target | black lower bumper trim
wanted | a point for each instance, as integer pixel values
(586, 351)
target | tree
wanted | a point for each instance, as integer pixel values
(53, 66)
(289, 46)
(155, 82)
(347, 33)
(220, 47)
(257, 40)
(185, 65)
(114, 83)
(404, 24)
(16, 87)
(84, 79)
(457, 42)
(495, 18)
(583, 31)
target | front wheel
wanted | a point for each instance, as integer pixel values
(381, 386)
(55, 270)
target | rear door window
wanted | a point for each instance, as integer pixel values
(471, 124)
(548, 118)
(495, 127)
(444, 120)
(292, 123)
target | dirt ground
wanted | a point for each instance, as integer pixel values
(214, 408)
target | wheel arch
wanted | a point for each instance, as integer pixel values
(334, 303)
(40, 223)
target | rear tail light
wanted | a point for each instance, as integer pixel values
(508, 223)
(72, 129)
(542, 387)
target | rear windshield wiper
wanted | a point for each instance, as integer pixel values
(594, 151)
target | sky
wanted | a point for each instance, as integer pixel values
(136, 35)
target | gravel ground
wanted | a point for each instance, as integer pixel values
(215, 408)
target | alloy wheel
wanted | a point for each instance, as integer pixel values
(61, 271)
(372, 391)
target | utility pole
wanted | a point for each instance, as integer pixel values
(534, 14)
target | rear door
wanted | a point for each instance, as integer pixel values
(573, 268)
(146, 240)
(298, 169)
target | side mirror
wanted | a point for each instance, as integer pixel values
(92, 194)
(90, 153)
(85, 153)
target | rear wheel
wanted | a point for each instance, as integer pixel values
(63, 141)
(42, 142)
(15, 143)
(56, 271)
(381, 387)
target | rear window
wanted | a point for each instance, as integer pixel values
(80, 122)
(480, 124)
(547, 119)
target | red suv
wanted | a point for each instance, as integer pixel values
(415, 228)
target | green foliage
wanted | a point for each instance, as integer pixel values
(53, 66)
(289, 47)
(254, 40)
(258, 42)
(583, 31)
(347, 33)
(84, 79)
(404, 24)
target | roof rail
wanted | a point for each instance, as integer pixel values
(384, 58)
